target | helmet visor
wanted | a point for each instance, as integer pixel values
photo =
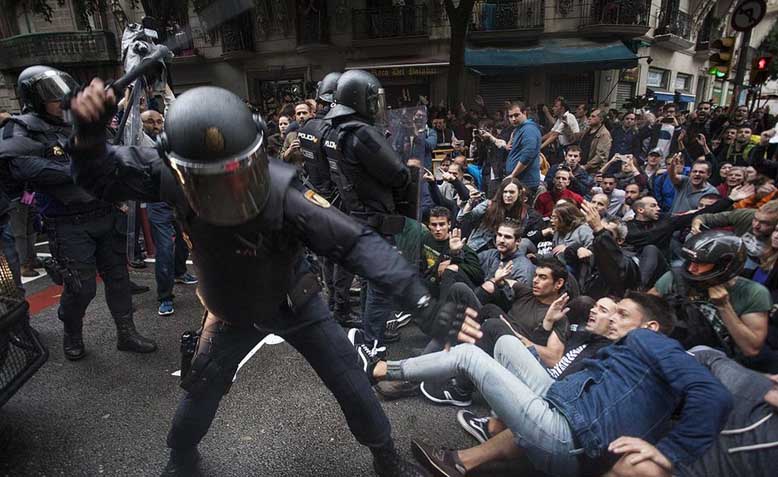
(228, 192)
(53, 86)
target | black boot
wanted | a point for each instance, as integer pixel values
(128, 338)
(347, 318)
(73, 345)
(182, 463)
(388, 463)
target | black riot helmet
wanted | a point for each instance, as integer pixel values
(724, 249)
(359, 92)
(325, 91)
(39, 85)
(215, 146)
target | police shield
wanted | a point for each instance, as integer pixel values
(407, 133)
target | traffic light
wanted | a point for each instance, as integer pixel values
(760, 70)
(720, 62)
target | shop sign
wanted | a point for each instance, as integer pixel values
(406, 71)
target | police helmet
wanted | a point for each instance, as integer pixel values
(358, 92)
(40, 84)
(325, 90)
(215, 146)
(724, 249)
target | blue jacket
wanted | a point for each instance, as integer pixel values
(525, 149)
(631, 389)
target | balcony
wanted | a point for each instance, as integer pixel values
(504, 21)
(237, 37)
(608, 18)
(58, 49)
(312, 30)
(390, 26)
(674, 30)
(707, 35)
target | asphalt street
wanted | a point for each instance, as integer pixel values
(109, 413)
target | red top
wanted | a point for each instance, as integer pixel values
(546, 201)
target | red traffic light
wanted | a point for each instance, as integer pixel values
(761, 63)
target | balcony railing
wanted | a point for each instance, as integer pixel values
(615, 12)
(707, 34)
(60, 48)
(502, 15)
(675, 22)
(238, 35)
(395, 22)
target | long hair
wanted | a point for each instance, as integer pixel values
(769, 256)
(569, 217)
(497, 211)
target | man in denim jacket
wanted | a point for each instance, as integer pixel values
(618, 405)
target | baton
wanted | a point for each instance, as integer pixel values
(145, 66)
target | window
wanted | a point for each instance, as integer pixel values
(683, 82)
(657, 78)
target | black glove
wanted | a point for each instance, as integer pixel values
(447, 323)
(91, 134)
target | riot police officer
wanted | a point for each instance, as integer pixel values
(85, 234)
(314, 133)
(248, 220)
(374, 183)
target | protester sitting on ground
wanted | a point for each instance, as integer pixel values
(581, 182)
(747, 445)
(600, 202)
(507, 251)
(725, 310)
(753, 226)
(615, 195)
(545, 202)
(736, 176)
(649, 373)
(484, 216)
(524, 317)
(568, 229)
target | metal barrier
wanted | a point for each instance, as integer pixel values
(21, 351)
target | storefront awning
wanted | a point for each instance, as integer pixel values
(667, 96)
(374, 65)
(563, 53)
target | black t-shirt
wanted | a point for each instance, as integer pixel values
(527, 313)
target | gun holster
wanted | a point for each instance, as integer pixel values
(204, 373)
(62, 275)
(189, 341)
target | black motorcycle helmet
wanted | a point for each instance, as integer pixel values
(358, 92)
(215, 146)
(38, 85)
(325, 91)
(724, 249)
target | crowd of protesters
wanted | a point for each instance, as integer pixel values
(593, 247)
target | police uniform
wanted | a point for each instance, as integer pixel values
(254, 279)
(374, 184)
(86, 235)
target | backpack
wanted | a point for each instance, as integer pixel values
(692, 328)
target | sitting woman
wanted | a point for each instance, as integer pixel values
(485, 216)
(568, 229)
(735, 177)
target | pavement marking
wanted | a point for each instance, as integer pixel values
(267, 340)
(41, 243)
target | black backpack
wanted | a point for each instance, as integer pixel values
(692, 328)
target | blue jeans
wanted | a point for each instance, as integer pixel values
(163, 233)
(11, 255)
(514, 384)
(378, 308)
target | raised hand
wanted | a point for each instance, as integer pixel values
(558, 309)
(503, 272)
(455, 241)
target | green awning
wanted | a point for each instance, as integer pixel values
(567, 54)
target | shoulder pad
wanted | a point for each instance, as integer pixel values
(30, 122)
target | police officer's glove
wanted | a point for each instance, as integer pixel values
(91, 110)
(448, 323)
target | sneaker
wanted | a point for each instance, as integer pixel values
(400, 318)
(187, 279)
(477, 427)
(391, 390)
(391, 334)
(166, 308)
(441, 462)
(368, 351)
(446, 393)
